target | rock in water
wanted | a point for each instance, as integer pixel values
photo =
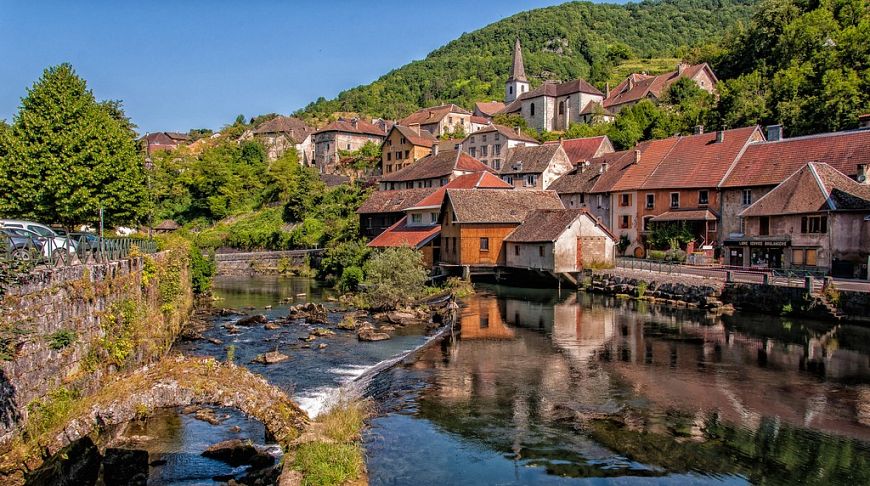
(252, 320)
(207, 415)
(371, 335)
(237, 452)
(271, 357)
(319, 331)
(271, 326)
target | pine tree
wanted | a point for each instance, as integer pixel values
(67, 155)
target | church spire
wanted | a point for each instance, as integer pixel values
(518, 71)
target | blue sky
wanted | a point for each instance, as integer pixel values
(180, 65)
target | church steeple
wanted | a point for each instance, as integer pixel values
(517, 83)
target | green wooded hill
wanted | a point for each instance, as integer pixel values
(579, 39)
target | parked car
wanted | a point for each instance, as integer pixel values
(89, 242)
(51, 242)
(18, 246)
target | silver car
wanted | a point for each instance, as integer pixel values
(51, 241)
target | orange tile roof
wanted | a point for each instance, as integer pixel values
(353, 126)
(434, 166)
(769, 163)
(634, 174)
(480, 180)
(489, 108)
(393, 201)
(583, 149)
(400, 234)
(617, 163)
(644, 85)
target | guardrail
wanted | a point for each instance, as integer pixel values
(648, 265)
(65, 251)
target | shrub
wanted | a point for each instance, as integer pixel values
(658, 255)
(832, 294)
(394, 277)
(62, 338)
(351, 278)
(202, 270)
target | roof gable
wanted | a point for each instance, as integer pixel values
(583, 149)
(530, 159)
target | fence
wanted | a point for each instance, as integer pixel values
(65, 251)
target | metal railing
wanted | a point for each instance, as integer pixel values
(66, 250)
(659, 266)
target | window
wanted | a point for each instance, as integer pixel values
(703, 198)
(483, 150)
(561, 107)
(650, 201)
(713, 226)
(811, 258)
(471, 140)
(582, 198)
(675, 199)
(804, 257)
(509, 179)
(747, 197)
(625, 222)
(531, 180)
(496, 164)
(402, 140)
(443, 181)
(764, 225)
(517, 250)
(600, 200)
(484, 244)
(496, 149)
(433, 218)
(797, 257)
(497, 136)
(814, 224)
(389, 167)
(541, 250)
(647, 223)
(348, 146)
(398, 155)
(532, 109)
(472, 151)
(455, 248)
(416, 218)
(510, 90)
(483, 138)
(450, 120)
(407, 152)
(389, 156)
(625, 199)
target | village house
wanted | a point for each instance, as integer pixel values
(420, 229)
(588, 186)
(535, 167)
(474, 223)
(440, 120)
(342, 136)
(766, 164)
(817, 219)
(164, 141)
(383, 209)
(560, 241)
(639, 86)
(403, 146)
(283, 133)
(551, 106)
(434, 170)
(479, 123)
(585, 149)
(487, 109)
(490, 145)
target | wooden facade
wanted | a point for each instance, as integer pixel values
(463, 244)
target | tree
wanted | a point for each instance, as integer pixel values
(364, 160)
(394, 277)
(68, 155)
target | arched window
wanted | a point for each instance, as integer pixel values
(532, 109)
(511, 89)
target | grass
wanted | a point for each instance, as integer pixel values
(344, 422)
(326, 464)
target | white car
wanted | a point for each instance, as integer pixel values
(51, 241)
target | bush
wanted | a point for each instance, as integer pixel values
(202, 270)
(62, 339)
(658, 255)
(394, 277)
(350, 279)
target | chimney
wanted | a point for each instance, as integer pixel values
(604, 168)
(607, 89)
(774, 133)
(415, 127)
(630, 82)
(863, 176)
(435, 148)
(519, 130)
(637, 156)
(354, 122)
(681, 67)
(699, 129)
(720, 136)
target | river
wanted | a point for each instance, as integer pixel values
(542, 387)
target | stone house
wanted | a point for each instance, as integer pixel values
(560, 241)
(490, 145)
(420, 228)
(474, 223)
(283, 133)
(766, 164)
(164, 141)
(535, 167)
(383, 209)
(555, 106)
(639, 86)
(585, 149)
(817, 219)
(434, 170)
(440, 120)
(479, 123)
(343, 135)
(404, 146)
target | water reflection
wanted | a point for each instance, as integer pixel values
(538, 387)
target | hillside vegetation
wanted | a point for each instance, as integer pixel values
(579, 39)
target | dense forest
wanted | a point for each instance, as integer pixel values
(564, 42)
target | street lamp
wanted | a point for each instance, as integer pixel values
(149, 166)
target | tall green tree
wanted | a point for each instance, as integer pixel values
(67, 155)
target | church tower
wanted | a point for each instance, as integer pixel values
(517, 83)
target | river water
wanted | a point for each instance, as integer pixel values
(542, 387)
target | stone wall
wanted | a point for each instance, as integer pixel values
(66, 330)
(264, 262)
(856, 305)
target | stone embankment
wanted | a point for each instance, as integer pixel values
(712, 294)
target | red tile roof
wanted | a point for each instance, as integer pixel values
(499, 205)
(643, 85)
(581, 180)
(548, 224)
(531, 159)
(434, 166)
(697, 161)
(480, 180)
(427, 116)
(583, 149)
(480, 120)
(611, 167)
(687, 215)
(489, 108)
(769, 163)
(401, 234)
(353, 126)
(393, 201)
(813, 188)
(634, 173)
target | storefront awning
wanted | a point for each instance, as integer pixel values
(689, 215)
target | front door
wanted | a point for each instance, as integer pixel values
(735, 257)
